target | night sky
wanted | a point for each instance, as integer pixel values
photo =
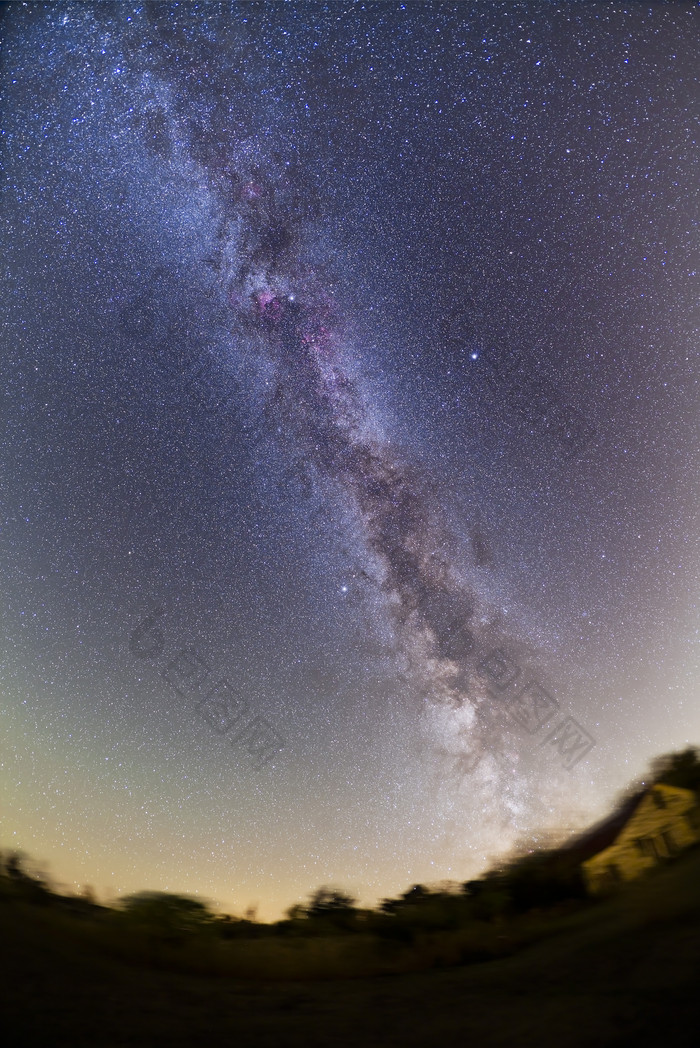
(350, 435)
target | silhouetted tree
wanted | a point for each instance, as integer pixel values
(14, 866)
(413, 896)
(678, 769)
(543, 879)
(330, 902)
(88, 894)
(416, 894)
(489, 896)
(331, 908)
(167, 916)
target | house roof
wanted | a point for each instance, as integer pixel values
(604, 833)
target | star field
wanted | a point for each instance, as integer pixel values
(351, 439)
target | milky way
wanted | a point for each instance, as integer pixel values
(442, 632)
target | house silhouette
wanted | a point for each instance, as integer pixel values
(654, 826)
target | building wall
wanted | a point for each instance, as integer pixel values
(666, 822)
